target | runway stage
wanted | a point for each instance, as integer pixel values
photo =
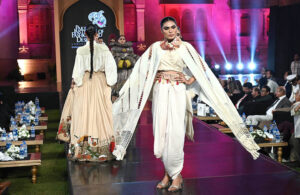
(214, 164)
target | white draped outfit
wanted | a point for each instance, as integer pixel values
(172, 102)
(168, 108)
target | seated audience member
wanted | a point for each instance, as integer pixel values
(247, 89)
(293, 79)
(259, 105)
(271, 81)
(281, 102)
(232, 86)
(235, 89)
(265, 95)
(223, 83)
(255, 94)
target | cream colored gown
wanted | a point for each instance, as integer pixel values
(89, 105)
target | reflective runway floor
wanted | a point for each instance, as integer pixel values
(213, 164)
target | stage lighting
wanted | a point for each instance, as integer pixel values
(228, 66)
(217, 66)
(240, 66)
(251, 66)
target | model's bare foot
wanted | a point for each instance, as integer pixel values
(164, 182)
(176, 184)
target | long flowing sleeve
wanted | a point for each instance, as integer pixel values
(133, 97)
(212, 93)
(102, 61)
(78, 70)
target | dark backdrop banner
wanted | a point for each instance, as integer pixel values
(284, 37)
(72, 35)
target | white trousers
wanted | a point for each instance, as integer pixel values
(168, 110)
(255, 119)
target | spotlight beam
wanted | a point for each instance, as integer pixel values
(238, 39)
(201, 44)
(253, 33)
(217, 40)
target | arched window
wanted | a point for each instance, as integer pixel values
(175, 14)
(245, 25)
(39, 25)
(130, 22)
(201, 25)
(187, 25)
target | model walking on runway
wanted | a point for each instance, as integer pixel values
(175, 72)
(87, 112)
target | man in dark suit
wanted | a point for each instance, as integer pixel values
(259, 104)
(247, 89)
(281, 102)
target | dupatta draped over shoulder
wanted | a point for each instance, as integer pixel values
(135, 92)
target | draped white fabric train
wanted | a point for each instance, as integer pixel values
(135, 92)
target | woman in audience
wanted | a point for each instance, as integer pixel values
(125, 59)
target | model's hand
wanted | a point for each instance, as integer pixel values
(181, 78)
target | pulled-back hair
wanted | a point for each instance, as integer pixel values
(166, 19)
(90, 32)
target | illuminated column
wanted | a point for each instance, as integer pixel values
(22, 9)
(57, 43)
(52, 29)
(140, 17)
(9, 36)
